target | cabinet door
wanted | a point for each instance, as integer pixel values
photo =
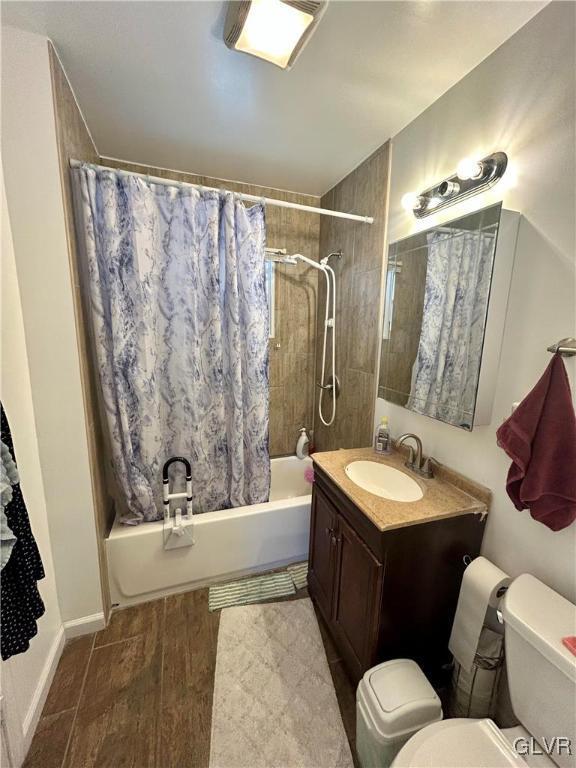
(357, 599)
(322, 556)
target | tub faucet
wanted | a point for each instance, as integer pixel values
(415, 462)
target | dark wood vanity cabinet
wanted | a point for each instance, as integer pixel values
(323, 547)
(357, 590)
(386, 594)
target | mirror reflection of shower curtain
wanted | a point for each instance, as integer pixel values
(447, 365)
(179, 319)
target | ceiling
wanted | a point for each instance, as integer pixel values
(158, 86)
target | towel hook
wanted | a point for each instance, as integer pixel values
(565, 347)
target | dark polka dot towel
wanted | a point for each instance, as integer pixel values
(21, 604)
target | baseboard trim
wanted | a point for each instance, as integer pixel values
(41, 692)
(69, 629)
(84, 625)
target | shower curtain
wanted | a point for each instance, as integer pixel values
(179, 318)
(445, 372)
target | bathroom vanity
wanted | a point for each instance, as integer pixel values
(385, 575)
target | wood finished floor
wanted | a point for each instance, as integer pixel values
(138, 694)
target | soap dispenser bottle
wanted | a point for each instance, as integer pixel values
(382, 440)
(303, 444)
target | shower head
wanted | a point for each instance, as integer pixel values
(279, 256)
(311, 263)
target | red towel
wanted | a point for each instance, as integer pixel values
(570, 643)
(540, 438)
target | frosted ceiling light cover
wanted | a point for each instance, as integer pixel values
(273, 30)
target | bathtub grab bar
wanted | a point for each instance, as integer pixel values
(167, 496)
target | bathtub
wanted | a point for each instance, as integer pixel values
(228, 543)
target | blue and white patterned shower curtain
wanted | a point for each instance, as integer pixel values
(445, 372)
(176, 285)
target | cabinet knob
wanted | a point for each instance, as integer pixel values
(332, 533)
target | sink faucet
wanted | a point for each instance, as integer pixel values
(415, 462)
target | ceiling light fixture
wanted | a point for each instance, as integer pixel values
(273, 30)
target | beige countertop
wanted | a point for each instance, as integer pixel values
(448, 494)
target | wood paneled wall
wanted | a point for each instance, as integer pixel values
(358, 277)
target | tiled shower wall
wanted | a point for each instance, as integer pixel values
(358, 279)
(292, 349)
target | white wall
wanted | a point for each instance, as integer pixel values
(25, 677)
(520, 100)
(35, 206)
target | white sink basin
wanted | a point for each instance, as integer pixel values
(384, 481)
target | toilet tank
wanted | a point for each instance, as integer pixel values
(541, 670)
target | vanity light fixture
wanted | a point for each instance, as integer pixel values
(472, 177)
(273, 30)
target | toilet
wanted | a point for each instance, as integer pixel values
(542, 681)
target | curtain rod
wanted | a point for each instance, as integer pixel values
(241, 195)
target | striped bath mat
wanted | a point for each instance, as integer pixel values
(299, 574)
(254, 590)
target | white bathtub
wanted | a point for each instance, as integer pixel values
(228, 543)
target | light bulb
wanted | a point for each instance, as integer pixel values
(412, 202)
(409, 201)
(448, 189)
(468, 168)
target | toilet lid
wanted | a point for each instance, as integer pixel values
(458, 743)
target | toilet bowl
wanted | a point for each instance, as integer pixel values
(542, 680)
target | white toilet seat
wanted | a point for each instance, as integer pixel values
(459, 743)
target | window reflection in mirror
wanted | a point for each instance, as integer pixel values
(436, 303)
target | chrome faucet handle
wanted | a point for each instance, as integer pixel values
(427, 467)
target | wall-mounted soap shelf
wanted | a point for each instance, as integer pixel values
(565, 347)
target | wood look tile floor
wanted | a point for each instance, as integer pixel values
(138, 694)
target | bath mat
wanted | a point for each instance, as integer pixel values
(299, 574)
(274, 701)
(254, 590)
